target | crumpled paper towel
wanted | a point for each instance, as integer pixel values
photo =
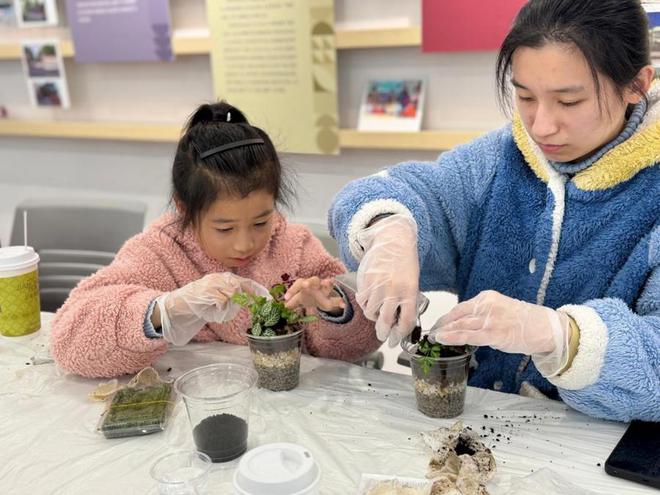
(460, 463)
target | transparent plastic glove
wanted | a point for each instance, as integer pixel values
(388, 276)
(185, 311)
(509, 325)
(314, 293)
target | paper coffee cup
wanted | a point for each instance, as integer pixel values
(19, 291)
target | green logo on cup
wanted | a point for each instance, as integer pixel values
(19, 304)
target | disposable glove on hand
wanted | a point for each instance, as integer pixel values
(388, 276)
(185, 311)
(314, 293)
(509, 325)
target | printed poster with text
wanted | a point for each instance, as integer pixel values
(466, 25)
(120, 30)
(276, 61)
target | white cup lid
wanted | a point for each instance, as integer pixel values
(17, 257)
(277, 469)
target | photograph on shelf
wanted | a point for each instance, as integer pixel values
(41, 60)
(48, 93)
(392, 105)
(44, 72)
(36, 13)
(7, 13)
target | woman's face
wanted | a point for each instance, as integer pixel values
(557, 100)
(234, 231)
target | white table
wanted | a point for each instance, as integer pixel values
(354, 420)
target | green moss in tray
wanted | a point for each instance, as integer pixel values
(137, 411)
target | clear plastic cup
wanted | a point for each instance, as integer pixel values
(217, 399)
(182, 473)
(277, 360)
(440, 383)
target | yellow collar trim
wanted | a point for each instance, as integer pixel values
(530, 150)
(640, 151)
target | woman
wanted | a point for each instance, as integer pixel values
(548, 229)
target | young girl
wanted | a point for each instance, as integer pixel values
(548, 229)
(174, 282)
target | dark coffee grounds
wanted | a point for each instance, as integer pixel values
(463, 448)
(222, 437)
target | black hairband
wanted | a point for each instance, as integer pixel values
(229, 146)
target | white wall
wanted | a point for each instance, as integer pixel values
(460, 96)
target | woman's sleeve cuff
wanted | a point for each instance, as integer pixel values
(588, 361)
(365, 215)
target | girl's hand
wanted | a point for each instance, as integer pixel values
(314, 293)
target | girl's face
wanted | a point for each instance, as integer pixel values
(557, 101)
(234, 231)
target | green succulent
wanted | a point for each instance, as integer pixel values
(270, 317)
(431, 351)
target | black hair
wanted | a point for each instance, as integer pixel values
(199, 177)
(613, 36)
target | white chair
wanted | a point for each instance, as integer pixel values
(74, 238)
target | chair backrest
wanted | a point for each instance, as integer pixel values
(74, 238)
(78, 224)
(52, 299)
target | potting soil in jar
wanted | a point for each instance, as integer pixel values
(440, 400)
(279, 371)
(222, 437)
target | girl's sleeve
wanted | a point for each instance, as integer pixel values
(441, 196)
(616, 371)
(99, 331)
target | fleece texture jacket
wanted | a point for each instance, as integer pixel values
(495, 214)
(99, 331)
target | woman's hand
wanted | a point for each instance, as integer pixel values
(314, 293)
(510, 325)
(388, 276)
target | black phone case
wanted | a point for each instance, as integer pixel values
(637, 455)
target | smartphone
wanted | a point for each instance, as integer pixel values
(637, 455)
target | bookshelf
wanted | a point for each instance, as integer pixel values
(437, 140)
(199, 43)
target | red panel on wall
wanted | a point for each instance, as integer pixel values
(466, 25)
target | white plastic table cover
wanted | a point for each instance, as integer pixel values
(354, 420)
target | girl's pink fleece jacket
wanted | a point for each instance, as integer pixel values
(99, 331)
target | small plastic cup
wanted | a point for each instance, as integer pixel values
(217, 399)
(277, 469)
(182, 473)
(440, 383)
(277, 360)
(19, 291)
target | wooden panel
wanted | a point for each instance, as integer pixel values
(126, 131)
(424, 140)
(200, 45)
(374, 38)
(188, 45)
(120, 131)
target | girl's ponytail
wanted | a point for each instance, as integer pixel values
(221, 155)
(216, 113)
